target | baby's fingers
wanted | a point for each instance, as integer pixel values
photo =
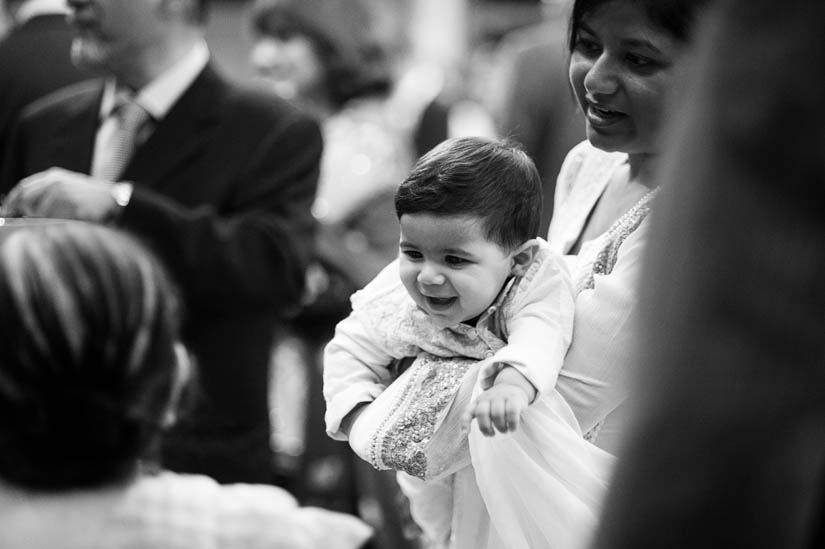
(467, 417)
(498, 414)
(482, 415)
(513, 417)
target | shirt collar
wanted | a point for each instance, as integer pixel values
(33, 8)
(159, 95)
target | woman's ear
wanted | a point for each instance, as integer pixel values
(523, 257)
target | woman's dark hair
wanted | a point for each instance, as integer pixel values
(355, 64)
(676, 17)
(87, 357)
(493, 180)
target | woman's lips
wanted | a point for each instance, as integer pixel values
(602, 116)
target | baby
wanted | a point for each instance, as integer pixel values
(483, 310)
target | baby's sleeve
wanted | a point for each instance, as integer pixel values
(539, 324)
(356, 364)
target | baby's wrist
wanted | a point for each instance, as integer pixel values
(511, 376)
(521, 388)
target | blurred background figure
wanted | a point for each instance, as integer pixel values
(325, 55)
(532, 102)
(91, 373)
(217, 178)
(34, 56)
(328, 57)
(728, 447)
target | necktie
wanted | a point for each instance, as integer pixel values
(130, 117)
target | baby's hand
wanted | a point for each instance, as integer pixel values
(497, 408)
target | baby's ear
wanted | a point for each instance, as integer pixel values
(523, 257)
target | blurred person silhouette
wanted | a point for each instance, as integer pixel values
(607, 187)
(216, 179)
(326, 55)
(727, 447)
(34, 57)
(91, 373)
(532, 101)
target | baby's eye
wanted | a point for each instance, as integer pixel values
(455, 260)
(412, 254)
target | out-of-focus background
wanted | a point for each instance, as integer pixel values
(456, 67)
(454, 40)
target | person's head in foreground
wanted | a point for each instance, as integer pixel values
(90, 365)
(469, 213)
(625, 57)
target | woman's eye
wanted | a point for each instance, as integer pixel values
(587, 46)
(640, 61)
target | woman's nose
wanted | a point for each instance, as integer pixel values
(430, 275)
(602, 78)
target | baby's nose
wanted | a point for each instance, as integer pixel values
(429, 275)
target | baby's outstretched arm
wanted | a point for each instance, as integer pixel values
(499, 407)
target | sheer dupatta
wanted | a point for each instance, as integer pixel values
(541, 486)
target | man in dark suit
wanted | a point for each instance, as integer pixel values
(34, 57)
(219, 186)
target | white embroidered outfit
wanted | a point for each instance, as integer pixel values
(538, 487)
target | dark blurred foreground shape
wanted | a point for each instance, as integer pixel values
(729, 448)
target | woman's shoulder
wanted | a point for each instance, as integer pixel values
(583, 177)
(584, 158)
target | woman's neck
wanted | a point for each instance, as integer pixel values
(642, 167)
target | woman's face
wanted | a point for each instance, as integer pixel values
(621, 69)
(289, 63)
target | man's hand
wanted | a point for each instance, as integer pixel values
(60, 193)
(500, 406)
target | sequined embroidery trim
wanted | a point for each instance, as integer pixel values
(616, 235)
(401, 440)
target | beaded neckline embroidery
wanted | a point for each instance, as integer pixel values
(615, 237)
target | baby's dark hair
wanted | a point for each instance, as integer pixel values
(493, 180)
(87, 357)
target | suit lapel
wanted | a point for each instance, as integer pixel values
(184, 131)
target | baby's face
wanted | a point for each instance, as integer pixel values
(452, 272)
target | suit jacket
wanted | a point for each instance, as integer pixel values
(223, 188)
(34, 61)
